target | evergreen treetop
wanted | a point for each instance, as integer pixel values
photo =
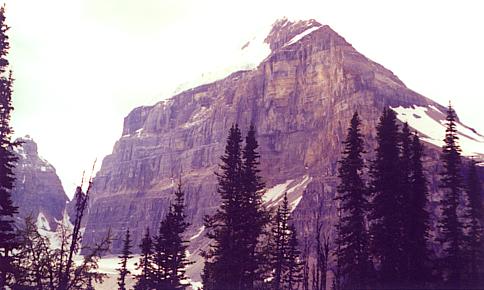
(8, 241)
(451, 224)
(144, 279)
(126, 254)
(352, 240)
(385, 214)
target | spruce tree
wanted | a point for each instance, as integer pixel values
(169, 247)
(294, 264)
(144, 279)
(126, 254)
(8, 241)
(255, 216)
(281, 237)
(224, 261)
(385, 209)
(404, 192)
(161, 245)
(452, 234)
(417, 221)
(475, 231)
(353, 256)
(175, 228)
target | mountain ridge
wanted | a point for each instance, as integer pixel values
(301, 98)
(37, 188)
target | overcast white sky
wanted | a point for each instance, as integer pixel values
(81, 65)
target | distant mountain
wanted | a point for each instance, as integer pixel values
(301, 97)
(38, 190)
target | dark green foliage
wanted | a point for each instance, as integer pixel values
(417, 222)
(475, 247)
(281, 237)
(404, 192)
(126, 254)
(385, 214)
(352, 240)
(8, 241)
(233, 260)
(285, 256)
(451, 225)
(169, 247)
(294, 264)
(223, 265)
(143, 280)
(159, 277)
(254, 215)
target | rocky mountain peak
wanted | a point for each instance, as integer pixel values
(29, 147)
(285, 32)
(301, 95)
(38, 189)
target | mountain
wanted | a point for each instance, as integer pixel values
(300, 97)
(37, 190)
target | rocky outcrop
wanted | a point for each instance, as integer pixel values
(37, 187)
(301, 98)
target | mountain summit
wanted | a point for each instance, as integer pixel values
(38, 190)
(301, 97)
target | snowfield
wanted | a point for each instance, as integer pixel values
(430, 122)
(294, 189)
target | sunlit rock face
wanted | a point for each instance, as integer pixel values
(300, 97)
(37, 187)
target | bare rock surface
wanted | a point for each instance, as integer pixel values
(37, 188)
(301, 99)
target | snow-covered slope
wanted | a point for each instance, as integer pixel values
(294, 189)
(251, 54)
(430, 122)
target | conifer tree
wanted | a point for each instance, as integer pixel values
(385, 209)
(353, 256)
(161, 244)
(8, 241)
(177, 259)
(229, 263)
(169, 247)
(144, 279)
(475, 249)
(413, 199)
(452, 234)
(404, 192)
(255, 216)
(417, 221)
(281, 237)
(125, 256)
(294, 264)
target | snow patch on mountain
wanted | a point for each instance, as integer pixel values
(277, 192)
(294, 188)
(248, 57)
(302, 35)
(20, 151)
(420, 118)
(200, 231)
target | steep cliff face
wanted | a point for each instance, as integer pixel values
(38, 189)
(301, 98)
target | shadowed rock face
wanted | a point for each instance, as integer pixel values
(37, 189)
(301, 99)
